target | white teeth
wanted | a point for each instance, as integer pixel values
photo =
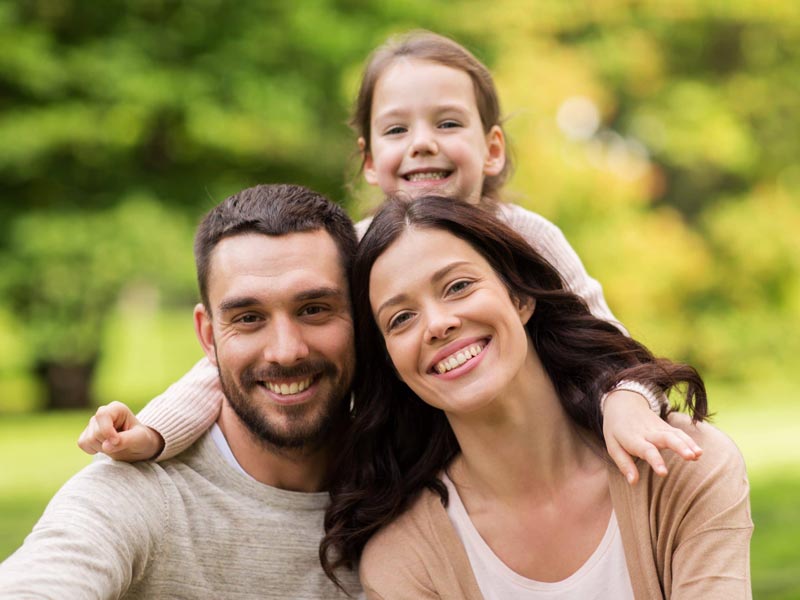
(288, 389)
(459, 358)
(430, 176)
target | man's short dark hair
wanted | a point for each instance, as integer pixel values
(275, 210)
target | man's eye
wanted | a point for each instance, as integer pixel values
(248, 319)
(313, 310)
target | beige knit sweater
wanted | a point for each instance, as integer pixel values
(686, 536)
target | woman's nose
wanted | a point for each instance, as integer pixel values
(441, 324)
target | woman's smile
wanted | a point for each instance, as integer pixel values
(454, 334)
(463, 352)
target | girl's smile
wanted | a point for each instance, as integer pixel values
(427, 135)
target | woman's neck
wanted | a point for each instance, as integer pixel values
(524, 444)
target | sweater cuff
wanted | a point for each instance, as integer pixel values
(186, 409)
(655, 398)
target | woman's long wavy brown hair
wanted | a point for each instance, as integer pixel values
(398, 445)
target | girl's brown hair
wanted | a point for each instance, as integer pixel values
(425, 45)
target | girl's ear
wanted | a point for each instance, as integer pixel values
(495, 152)
(525, 308)
(369, 164)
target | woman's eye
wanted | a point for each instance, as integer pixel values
(398, 320)
(459, 286)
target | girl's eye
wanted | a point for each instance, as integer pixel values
(449, 124)
(459, 286)
(397, 129)
(398, 320)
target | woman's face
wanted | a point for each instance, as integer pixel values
(454, 334)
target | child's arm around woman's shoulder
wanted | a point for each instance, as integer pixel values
(630, 428)
(547, 239)
(168, 425)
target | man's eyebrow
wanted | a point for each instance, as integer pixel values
(438, 275)
(318, 293)
(236, 303)
(304, 296)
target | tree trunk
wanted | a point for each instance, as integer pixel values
(68, 385)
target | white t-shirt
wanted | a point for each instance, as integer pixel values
(603, 576)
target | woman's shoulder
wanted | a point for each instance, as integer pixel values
(719, 450)
(418, 553)
(718, 477)
(407, 536)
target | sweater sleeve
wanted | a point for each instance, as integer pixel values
(95, 539)
(186, 409)
(547, 239)
(711, 558)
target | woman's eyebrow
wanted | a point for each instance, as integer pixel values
(437, 276)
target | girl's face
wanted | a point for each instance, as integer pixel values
(454, 334)
(426, 133)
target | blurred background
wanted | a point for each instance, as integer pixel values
(662, 137)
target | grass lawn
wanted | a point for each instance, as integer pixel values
(38, 453)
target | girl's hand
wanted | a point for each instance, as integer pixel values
(115, 431)
(631, 428)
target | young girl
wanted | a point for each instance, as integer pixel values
(474, 465)
(428, 121)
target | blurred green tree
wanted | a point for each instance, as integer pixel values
(67, 271)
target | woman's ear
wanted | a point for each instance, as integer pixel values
(369, 164)
(495, 152)
(525, 308)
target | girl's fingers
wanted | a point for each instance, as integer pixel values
(623, 461)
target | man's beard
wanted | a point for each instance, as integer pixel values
(308, 426)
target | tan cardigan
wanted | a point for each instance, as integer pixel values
(685, 536)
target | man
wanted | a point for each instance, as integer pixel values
(238, 514)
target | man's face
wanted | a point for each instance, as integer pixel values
(281, 334)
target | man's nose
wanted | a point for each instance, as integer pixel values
(286, 345)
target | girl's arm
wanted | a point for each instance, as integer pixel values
(630, 426)
(168, 425)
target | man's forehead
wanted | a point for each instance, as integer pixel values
(254, 260)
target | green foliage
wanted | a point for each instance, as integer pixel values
(64, 271)
(682, 201)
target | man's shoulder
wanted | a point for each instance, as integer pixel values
(121, 483)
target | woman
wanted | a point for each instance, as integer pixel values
(477, 464)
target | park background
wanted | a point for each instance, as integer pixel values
(662, 137)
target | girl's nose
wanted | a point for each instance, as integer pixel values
(423, 142)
